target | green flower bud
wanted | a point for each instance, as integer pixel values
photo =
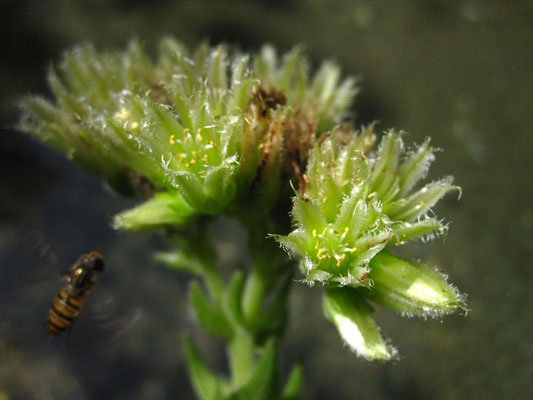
(411, 288)
(352, 317)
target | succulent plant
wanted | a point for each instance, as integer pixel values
(199, 134)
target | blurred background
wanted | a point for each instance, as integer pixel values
(458, 71)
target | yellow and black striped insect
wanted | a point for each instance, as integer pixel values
(81, 278)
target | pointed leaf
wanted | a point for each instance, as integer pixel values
(262, 383)
(295, 384)
(207, 385)
(179, 261)
(427, 228)
(421, 201)
(233, 299)
(210, 318)
(353, 318)
(162, 209)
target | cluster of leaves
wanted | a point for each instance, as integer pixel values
(214, 132)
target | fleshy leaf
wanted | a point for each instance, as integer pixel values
(162, 209)
(352, 316)
(295, 384)
(207, 385)
(262, 383)
(211, 319)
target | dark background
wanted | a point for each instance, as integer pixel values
(458, 71)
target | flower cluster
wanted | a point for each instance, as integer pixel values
(355, 204)
(190, 130)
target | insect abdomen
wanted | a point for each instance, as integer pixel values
(63, 312)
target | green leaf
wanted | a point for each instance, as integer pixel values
(233, 298)
(273, 319)
(162, 209)
(295, 384)
(262, 383)
(207, 385)
(412, 288)
(352, 316)
(180, 261)
(211, 318)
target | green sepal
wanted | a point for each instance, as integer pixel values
(295, 384)
(211, 319)
(411, 288)
(352, 316)
(162, 209)
(426, 228)
(191, 189)
(417, 204)
(207, 385)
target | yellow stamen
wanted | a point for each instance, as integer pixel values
(314, 232)
(172, 141)
(123, 114)
(353, 250)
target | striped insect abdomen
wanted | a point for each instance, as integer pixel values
(64, 311)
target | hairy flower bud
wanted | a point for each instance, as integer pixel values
(411, 288)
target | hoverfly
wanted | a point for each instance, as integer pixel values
(81, 278)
